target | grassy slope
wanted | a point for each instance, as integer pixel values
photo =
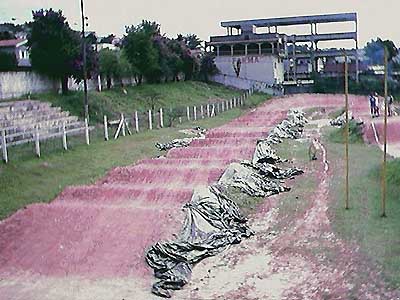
(115, 101)
(29, 179)
(378, 237)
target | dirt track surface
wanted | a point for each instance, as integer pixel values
(90, 242)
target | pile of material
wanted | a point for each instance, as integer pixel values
(213, 221)
(340, 120)
(198, 132)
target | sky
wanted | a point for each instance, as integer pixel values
(203, 17)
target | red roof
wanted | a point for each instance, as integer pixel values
(11, 43)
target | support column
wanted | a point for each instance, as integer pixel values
(245, 49)
(231, 50)
(217, 50)
(273, 48)
(259, 48)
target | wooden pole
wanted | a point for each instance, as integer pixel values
(383, 176)
(64, 137)
(37, 142)
(105, 128)
(136, 121)
(4, 146)
(346, 90)
(87, 131)
(161, 118)
(123, 125)
(150, 120)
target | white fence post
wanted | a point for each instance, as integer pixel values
(208, 110)
(87, 131)
(218, 108)
(64, 137)
(195, 113)
(37, 142)
(202, 111)
(180, 120)
(150, 120)
(4, 146)
(136, 121)
(161, 118)
(123, 125)
(188, 113)
(213, 110)
(105, 128)
(222, 105)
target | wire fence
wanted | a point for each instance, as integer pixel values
(40, 142)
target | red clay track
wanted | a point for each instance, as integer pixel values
(103, 230)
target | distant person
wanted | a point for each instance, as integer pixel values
(390, 100)
(372, 104)
(377, 113)
(312, 150)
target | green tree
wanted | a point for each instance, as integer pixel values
(8, 62)
(108, 65)
(55, 48)
(141, 52)
(207, 67)
(374, 50)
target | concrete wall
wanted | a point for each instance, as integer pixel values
(264, 68)
(17, 84)
(245, 84)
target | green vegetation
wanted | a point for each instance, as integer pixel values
(355, 133)
(113, 102)
(378, 237)
(30, 180)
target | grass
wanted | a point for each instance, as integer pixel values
(142, 98)
(378, 237)
(355, 134)
(27, 179)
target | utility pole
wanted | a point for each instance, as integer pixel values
(86, 103)
(346, 91)
(383, 176)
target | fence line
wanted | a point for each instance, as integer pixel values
(37, 135)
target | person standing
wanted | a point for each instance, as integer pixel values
(376, 105)
(390, 105)
(372, 104)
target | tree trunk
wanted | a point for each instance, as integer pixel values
(64, 85)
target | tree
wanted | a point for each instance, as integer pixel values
(375, 50)
(8, 62)
(192, 41)
(55, 48)
(108, 65)
(141, 52)
(207, 66)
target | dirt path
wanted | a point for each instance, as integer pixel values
(89, 243)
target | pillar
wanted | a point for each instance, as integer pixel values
(245, 49)
(231, 50)
(259, 48)
(217, 50)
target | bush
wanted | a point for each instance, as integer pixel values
(8, 62)
(355, 133)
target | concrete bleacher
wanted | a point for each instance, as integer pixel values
(21, 120)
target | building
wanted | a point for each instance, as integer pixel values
(19, 48)
(271, 57)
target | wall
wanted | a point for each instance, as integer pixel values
(17, 84)
(245, 84)
(264, 68)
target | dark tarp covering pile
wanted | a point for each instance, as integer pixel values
(198, 132)
(340, 120)
(213, 221)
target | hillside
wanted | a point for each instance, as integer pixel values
(114, 101)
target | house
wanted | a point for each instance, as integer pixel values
(19, 48)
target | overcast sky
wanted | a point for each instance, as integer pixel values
(203, 17)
